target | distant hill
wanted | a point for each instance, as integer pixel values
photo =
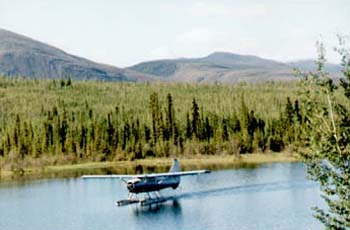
(218, 66)
(218, 62)
(23, 56)
(309, 65)
(227, 67)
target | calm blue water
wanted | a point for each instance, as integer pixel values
(272, 196)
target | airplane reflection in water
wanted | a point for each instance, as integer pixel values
(172, 208)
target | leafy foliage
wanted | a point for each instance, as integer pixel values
(327, 118)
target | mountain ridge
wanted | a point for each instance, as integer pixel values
(23, 56)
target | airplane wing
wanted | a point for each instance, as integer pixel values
(184, 173)
(167, 174)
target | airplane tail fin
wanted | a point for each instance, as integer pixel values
(175, 166)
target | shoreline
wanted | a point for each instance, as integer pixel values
(149, 165)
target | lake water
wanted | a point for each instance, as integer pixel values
(271, 196)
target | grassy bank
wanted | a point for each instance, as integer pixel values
(150, 165)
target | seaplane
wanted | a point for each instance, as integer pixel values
(149, 184)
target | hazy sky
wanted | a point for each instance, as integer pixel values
(123, 33)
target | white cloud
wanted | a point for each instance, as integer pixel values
(162, 52)
(197, 35)
(200, 42)
(220, 9)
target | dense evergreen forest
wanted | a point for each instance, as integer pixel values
(46, 122)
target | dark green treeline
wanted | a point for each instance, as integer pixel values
(64, 133)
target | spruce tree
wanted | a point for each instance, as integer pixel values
(156, 117)
(224, 130)
(170, 117)
(195, 125)
(188, 133)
